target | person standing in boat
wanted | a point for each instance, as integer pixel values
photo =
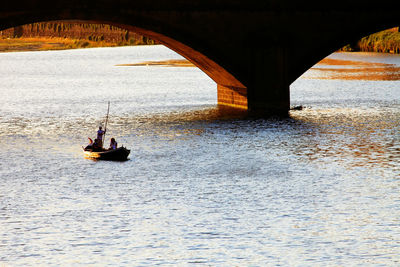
(100, 134)
(113, 144)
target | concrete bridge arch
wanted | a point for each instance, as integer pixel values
(252, 49)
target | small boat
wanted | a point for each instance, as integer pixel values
(118, 154)
(96, 151)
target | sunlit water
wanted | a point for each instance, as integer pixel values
(320, 188)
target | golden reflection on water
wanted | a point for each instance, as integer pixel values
(347, 135)
(353, 137)
(353, 70)
(219, 112)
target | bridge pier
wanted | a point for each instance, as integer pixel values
(235, 97)
(268, 90)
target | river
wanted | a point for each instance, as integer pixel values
(320, 188)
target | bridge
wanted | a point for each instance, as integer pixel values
(252, 49)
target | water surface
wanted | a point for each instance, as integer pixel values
(320, 188)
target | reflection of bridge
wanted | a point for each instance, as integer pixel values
(252, 49)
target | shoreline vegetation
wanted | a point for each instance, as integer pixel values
(60, 35)
(387, 41)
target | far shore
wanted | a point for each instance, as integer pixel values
(53, 43)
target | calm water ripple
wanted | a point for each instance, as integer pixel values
(202, 187)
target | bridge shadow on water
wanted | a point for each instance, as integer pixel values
(218, 113)
(308, 134)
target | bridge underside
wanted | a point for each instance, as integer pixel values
(252, 49)
(230, 91)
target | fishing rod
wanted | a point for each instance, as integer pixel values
(105, 127)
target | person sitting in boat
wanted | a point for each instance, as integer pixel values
(97, 145)
(113, 144)
(100, 134)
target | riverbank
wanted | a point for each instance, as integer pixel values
(43, 43)
(387, 41)
(60, 35)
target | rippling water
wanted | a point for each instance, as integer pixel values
(320, 188)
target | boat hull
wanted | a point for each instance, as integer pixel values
(119, 154)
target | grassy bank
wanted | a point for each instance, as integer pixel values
(45, 43)
(387, 41)
(67, 35)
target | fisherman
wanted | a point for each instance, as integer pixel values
(100, 134)
(113, 144)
